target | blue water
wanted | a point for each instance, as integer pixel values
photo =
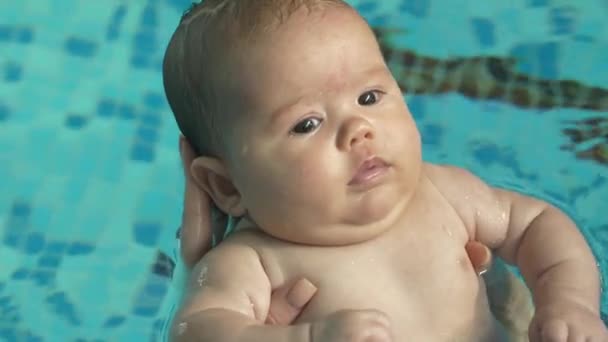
(89, 172)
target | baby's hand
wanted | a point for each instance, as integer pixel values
(557, 322)
(353, 326)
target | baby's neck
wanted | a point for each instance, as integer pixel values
(401, 213)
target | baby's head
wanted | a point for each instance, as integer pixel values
(285, 101)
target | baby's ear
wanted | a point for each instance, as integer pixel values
(211, 175)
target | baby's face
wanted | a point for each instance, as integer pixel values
(316, 101)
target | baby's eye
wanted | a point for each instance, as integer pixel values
(369, 98)
(306, 126)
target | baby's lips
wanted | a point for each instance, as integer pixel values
(366, 169)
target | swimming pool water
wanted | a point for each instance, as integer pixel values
(89, 172)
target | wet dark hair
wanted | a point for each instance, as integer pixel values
(194, 65)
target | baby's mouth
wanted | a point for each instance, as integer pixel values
(369, 171)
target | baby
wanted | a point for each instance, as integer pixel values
(305, 136)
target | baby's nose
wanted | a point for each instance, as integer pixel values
(357, 131)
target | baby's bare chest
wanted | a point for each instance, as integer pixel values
(422, 278)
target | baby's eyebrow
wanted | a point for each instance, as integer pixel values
(279, 112)
(374, 72)
(377, 71)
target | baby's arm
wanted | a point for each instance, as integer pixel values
(227, 299)
(543, 242)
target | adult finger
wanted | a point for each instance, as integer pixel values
(195, 237)
(287, 302)
(480, 255)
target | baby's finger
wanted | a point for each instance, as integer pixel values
(195, 237)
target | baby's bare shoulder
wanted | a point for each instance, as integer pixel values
(458, 185)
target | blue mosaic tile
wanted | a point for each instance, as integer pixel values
(145, 310)
(74, 121)
(146, 233)
(378, 20)
(21, 209)
(154, 100)
(25, 35)
(484, 31)
(142, 152)
(126, 111)
(417, 106)
(538, 3)
(562, 20)
(116, 21)
(417, 8)
(5, 112)
(156, 289)
(80, 47)
(49, 261)
(149, 17)
(17, 225)
(583, 38)
(43, 277)
(56, 247)
(114, 322)
(6, 33)
(147, 134)
(140, 61)
(20, 274)
(79, 248)
(8, 334)
(63, 307)
(367, 7)
(145, 42)
(431, 134)
(538, 59)
(106, 108)
(34, 243)
(13, 72)
(488, 154)
(150, 118)
(547, 57)
(12, 239)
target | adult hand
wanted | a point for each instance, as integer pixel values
(199, 225)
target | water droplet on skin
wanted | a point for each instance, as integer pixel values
(478, 214)
(202, 277)
(181, 328)
(447, 230)
(503, 216)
